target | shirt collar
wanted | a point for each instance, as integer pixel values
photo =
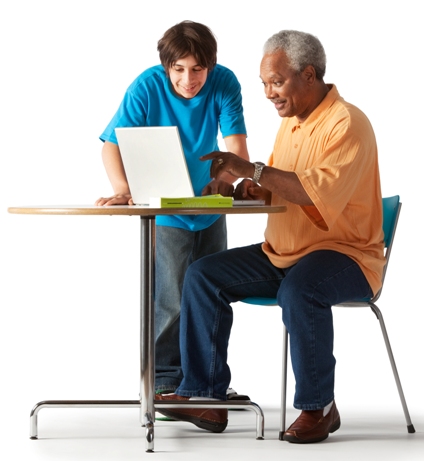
(316, 114)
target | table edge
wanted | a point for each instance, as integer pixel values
(134, 210)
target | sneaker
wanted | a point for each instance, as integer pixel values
(232, 395)
(159, 416)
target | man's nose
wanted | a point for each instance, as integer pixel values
(270, 92)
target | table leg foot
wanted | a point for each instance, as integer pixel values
(75, 404)
(149, 425)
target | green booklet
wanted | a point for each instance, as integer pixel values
(205, 201)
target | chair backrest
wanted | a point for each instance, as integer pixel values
(391, 211)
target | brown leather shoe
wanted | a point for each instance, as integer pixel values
(211, 419)
(312, 426)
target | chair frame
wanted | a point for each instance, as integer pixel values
(391, 211)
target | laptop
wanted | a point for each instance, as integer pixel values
(155, 164)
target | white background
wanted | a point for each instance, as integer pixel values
(69, 285)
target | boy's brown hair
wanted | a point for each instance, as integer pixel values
(188, 38)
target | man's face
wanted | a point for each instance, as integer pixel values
(290, 92)
(187, 77)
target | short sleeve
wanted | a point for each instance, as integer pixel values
(231, 118)
(131, 112)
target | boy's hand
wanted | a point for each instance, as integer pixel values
(117, 199)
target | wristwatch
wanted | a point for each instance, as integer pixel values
(259, 166)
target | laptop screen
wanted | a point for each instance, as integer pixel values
(154, 163)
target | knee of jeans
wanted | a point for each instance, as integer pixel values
(204, 275)
(293, 298)
(299, 298)
(196, 271)
(291, 291)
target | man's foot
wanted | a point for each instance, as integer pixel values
(211, 419)
(313, 426)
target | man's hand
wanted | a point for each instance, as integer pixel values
(218, 187)
(248, 190)
(227, 162)
(117, 199)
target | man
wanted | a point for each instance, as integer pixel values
(327, 248)
(190, 90)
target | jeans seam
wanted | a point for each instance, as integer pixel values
(213, 351)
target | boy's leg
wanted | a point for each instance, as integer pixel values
(175, 250)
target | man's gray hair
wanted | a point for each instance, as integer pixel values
(301, 49)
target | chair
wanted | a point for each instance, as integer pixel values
(391, 211)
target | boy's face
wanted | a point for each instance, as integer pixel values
(187, 77)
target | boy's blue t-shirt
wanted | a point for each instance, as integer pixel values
(151, 101)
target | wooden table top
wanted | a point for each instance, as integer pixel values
(136, 210)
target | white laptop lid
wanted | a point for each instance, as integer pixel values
(154, 163)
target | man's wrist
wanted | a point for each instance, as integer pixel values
(259, 166)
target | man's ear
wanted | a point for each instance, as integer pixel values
(309, 74)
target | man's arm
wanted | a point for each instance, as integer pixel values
(115, 171)
(237, 144)
(286, 184)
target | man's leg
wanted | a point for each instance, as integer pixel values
(306, 295)
(210, 285)
(175, 250)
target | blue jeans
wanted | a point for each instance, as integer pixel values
(306, 292)
(176, 249)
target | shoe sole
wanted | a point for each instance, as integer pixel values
(164, 418)
(293, 439)
(212, 426)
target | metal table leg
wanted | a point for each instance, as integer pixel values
(147, 328)
(147, 345)
(147, 358)
(33, 419)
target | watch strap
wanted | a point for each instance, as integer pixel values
(259, 166)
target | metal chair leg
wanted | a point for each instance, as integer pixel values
(284, 384)
(379, 316)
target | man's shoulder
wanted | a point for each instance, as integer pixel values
(336, 111)
(340, 104)
(355, 118)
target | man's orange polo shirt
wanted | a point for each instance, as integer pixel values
(334, 154)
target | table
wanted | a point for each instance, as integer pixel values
(147, 344)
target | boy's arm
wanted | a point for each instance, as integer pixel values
(237, 145)
(115, 171)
